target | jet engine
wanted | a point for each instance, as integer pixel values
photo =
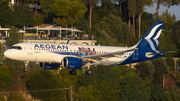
(48, 65)
(72, 63)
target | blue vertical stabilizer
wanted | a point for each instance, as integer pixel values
(151, 39)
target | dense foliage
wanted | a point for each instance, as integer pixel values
(113, 22)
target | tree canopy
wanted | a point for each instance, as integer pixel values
(113, 22)
(68, 11)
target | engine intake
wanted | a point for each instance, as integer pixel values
(72, 63)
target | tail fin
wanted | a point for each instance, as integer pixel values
(151, 39)
(67, 42)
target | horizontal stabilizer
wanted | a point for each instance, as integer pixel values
(162, 53)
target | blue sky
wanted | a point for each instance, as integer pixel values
(173, 10)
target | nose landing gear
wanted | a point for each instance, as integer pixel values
(26, 66)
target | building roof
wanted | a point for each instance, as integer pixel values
(44, 25)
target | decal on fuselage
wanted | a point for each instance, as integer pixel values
(82, 51)
(49, 46)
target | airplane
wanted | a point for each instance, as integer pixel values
(71, 56)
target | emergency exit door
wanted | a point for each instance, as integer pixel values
(29, 48)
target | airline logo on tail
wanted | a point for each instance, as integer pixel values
(153, 41)
(151, 38)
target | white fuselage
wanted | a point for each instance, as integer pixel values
(55, 52)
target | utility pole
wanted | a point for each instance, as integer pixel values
(175, 71)
(163, 81)
(71, 93)
(35, 8)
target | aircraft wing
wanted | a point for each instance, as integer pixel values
(107, 55)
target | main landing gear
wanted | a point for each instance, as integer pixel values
(87, 72)
(72, 72)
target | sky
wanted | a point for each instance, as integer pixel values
(173, 10)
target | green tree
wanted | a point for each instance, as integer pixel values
(175, 35)
(161, 68)
(13, 38)
(167, 18)
(5, 11)
(2, 97)
(99, 74)
(46, 5)
(44, 80)
(133, 88)
(116, 28)
(68, 80)
(168, 3)
(178, 73)
(162, 2)
(165, 45)
(175, 2)
(68, 11)
(6, 79)
(146, 22)
(132, 12)
(170, 20)
(107, 73)
(99, 12)
(170, 63)
(120, 4)
(15, 97)
(174, 93)
(89, 93)
(91, 4)
(140, 6)
(103, 38)
(145, 69)
(109, 91)
(1, 54)
(82, 24)
(22, 15)
(38, 19)
(158, 93)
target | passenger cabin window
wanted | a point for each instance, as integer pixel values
(16, 47)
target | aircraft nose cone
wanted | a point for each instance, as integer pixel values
(8, 53)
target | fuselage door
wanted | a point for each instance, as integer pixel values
(29, 48)
(135, 55)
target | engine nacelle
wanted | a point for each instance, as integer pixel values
(48, 65)
(72, 63)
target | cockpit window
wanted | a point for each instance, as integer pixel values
(16, 47)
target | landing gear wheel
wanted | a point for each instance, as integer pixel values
(72, 72)
(26, 66)
(89, 72)
(25, 69)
